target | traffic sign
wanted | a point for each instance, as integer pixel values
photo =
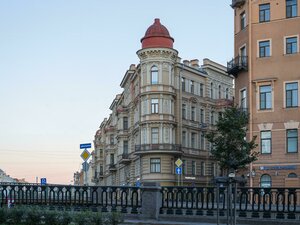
(178, 170)
(85, 166)
(178, 162)
(85, 155)
(43, 181)
(86, 145)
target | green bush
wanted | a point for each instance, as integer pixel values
(2, 215)
(33, 216)
(41, 216)
(14, 216)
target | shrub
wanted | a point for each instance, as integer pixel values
(14, 215)
(33, 216)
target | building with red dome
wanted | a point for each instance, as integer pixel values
(158, 123)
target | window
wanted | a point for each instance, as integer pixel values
(291, 45)
(154, 75)
(220, 94)
(193, 140)
(202, 140)
(183, 167)
(201, 90)
(125, 147)
(291, 94)
(202, 116)
(202, 169)
(292, 175)
(265, 142)
(183, 84)
(192, 86)
(112, 139)
(243, 20)
(193, 113)
(193, 168)
(291, 8)
(154, 105)
(292, 140)
(211, 90)
(183, 111)
(243, 101)
(112, 159)
(227, 93)
(154, 165)
(184, 138)
(154, 135)
(264, 49)
(212, 117)
(125, 123)
(265, 181)
(264, 13)
(265, 97)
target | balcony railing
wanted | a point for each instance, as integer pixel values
(237, 3)
(166, 148)
(237, 64)
(125, 158)
(112, 167)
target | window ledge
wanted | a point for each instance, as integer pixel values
(291, 54)
(265, 110)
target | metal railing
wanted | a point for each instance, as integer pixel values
(160, 147)
(114, 198)
(237, 64)
(276, 203)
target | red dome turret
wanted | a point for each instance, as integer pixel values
(157, 35)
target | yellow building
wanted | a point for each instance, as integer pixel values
(162, 115)
(267, 71)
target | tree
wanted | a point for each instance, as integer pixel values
(229, 145)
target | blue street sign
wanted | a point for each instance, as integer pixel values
(86, 145)
(43, 181)
(178, 170)
(138, 184)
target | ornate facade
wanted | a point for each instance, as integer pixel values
(162, 115)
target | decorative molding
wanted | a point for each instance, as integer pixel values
(291, 125)
(265, 126)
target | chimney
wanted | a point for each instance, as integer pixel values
(186, 62)
(195, 63)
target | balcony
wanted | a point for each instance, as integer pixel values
(220, 103)
(237, 3)
(112, 167)
(125, 159)
(158, 148)
(98, 175)
(238, 64)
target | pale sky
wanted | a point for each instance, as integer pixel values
(61, 64)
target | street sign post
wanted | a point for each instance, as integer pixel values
(178, 170)
(85, 146)
(85, 155)
(43, 181)
(178, 162)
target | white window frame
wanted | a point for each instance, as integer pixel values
(284, 93)
(284, 43)
(257, 50)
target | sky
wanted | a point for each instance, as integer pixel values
(62, 62)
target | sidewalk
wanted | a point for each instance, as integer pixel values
(155, 222)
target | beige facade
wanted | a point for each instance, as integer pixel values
(162, 115)
(267, 70)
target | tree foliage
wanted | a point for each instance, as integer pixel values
(229, 145)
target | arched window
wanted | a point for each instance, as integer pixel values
(154, 75)
(220, 94)
(211, 90)
(265, 181)
(227, 93)
(292, 175)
